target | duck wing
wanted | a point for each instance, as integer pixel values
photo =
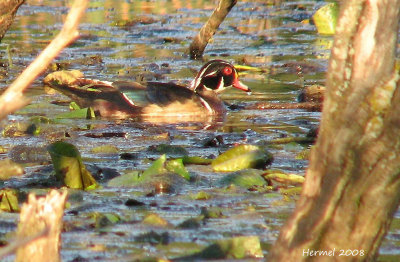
(103, 96)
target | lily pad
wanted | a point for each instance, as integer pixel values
(242, 157)
(104, 219)
(9, 169)
(281, 177)
(162, 166)
(105, 149)
(63, 77)
(84, 113)
(232, 248)
(126, 180)
(196, 160)
(170, 150)
(176, 166)
(161, 177)
(69, 167)
(325, 18)
(9, 200)
(212, 212)
(202, 195)
(154, 219)
(245, 178)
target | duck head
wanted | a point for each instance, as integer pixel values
(216, 75)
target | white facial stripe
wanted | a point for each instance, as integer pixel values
(206, 105)
(212, 74)
(220, 85)
(196, 82)
(128, 100)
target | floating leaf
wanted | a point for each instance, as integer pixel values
(244, 178)
(2, 150)
(9, 169)
(176, 166)
(281, 177)
(326, 17)
(84, 113)
(241, 157)
(293, 191)
(69, 167)
(170, 150)
(105, 149)
(154, 220)
(126, 180)
(157, 167)
(162, 166)
(105, 219)
(232, 248)
(161, 177)
(74, 106)
(212, 212)
(196, 160)
(9, 200)
(201, 196)
(62, 77)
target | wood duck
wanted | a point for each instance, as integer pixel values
(154, 101)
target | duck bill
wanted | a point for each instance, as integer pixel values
(239, 85)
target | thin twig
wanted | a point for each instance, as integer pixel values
(13, 99)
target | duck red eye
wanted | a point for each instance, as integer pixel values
(227, 71)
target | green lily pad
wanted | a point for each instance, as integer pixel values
(212, 212)
(281, 177)
(84, 113)
(154, 219)
(196, 160)
(232, 248)
(157, 167)
(242, 157)
(74, 106)
(161, 177)
(9, 200)
(162, 166)
(176, 166)
(170, 150)
(102, 220)
(200, 196)
(69, 167)
(105, 149)
(325, 18)
(126, 180)
(245, 178)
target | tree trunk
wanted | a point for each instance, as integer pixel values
(8, 8)
(352, 187)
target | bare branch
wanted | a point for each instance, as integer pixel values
(200, 42)
(13, 99)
